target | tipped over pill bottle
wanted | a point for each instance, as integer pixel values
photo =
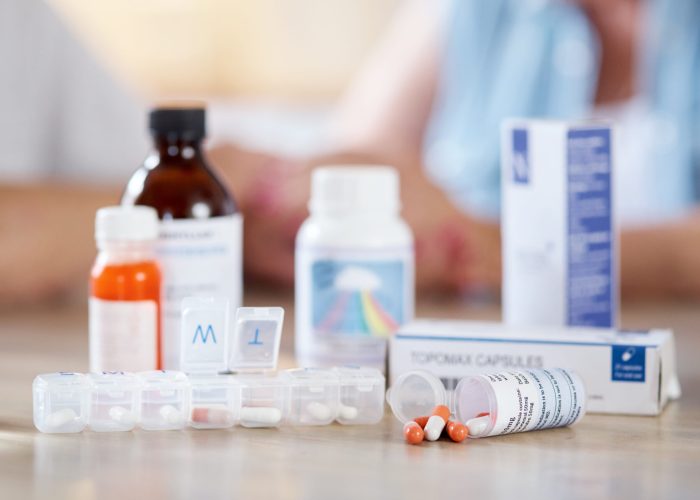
(519, 401)
(125, 284)
(354, 267)
(200, 229)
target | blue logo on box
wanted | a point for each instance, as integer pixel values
(520, 160)
(628, 363)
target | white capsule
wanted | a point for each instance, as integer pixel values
(60, 418)
(122, 415)
(318, 411)
(477, 426)
(433, 428)
(260, 416)
(170, 414)
(347, 412)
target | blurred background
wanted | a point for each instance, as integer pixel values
(292, 84)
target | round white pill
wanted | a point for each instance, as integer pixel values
(318, 411)
(347, 412)
(170, 414)
(122, 415)
(60, 418)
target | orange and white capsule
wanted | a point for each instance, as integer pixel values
(436, 423)
(421, 421)
(478, 425)
(413, 433)
(457, 431)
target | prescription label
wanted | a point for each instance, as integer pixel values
(590, 279)
(535, 399)
(198, 258)
(123, 335)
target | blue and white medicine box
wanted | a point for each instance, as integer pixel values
(624, 372)
(558, 229)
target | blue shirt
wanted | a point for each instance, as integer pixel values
(540, 58)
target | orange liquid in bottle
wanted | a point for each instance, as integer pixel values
(132, 281)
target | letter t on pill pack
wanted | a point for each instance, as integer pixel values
(558, 223)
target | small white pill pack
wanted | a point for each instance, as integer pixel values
(209, 395)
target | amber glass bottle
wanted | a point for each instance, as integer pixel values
(200, 231)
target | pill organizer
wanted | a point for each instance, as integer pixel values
(114, 401)
(61, 402)
(165, 400)
(170, 400)
(361, 396)
(313, 396)
(209, 395)
(216, 401)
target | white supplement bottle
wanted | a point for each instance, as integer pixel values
(354, 268)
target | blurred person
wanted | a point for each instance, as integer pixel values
(430, 101)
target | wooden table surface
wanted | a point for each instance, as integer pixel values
(602, 457)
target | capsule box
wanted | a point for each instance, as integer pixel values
(624, 372)
(559, 238)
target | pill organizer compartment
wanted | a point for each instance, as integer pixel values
(313, 396)
(216, 401)
(263, 400)
(61, 402)
(114, 401)
(165, 400)
(361, 395)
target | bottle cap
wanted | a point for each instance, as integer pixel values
(415, 394)
(180, 122)
(342, 189)
(126, 223)
(204, 335)
(256, 338)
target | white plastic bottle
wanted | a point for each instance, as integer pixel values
(354, 267)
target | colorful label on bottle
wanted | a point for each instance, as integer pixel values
(358, 294)
(198, 257)
(123, 335)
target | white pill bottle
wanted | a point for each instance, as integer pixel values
(520, 400)
(354, 269)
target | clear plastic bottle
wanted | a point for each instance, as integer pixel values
(354, 269)
(125, 291)
(200, 230)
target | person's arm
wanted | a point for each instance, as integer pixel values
(46, 239)
(385, 109)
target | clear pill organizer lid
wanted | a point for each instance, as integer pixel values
(415, 394)
(114, 381)
(311, 377)
(204, 335)
(255, 342)
(169, 379)
(61, 380)
(359, 376)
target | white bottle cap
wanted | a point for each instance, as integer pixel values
(351, 188)
(127, 223)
